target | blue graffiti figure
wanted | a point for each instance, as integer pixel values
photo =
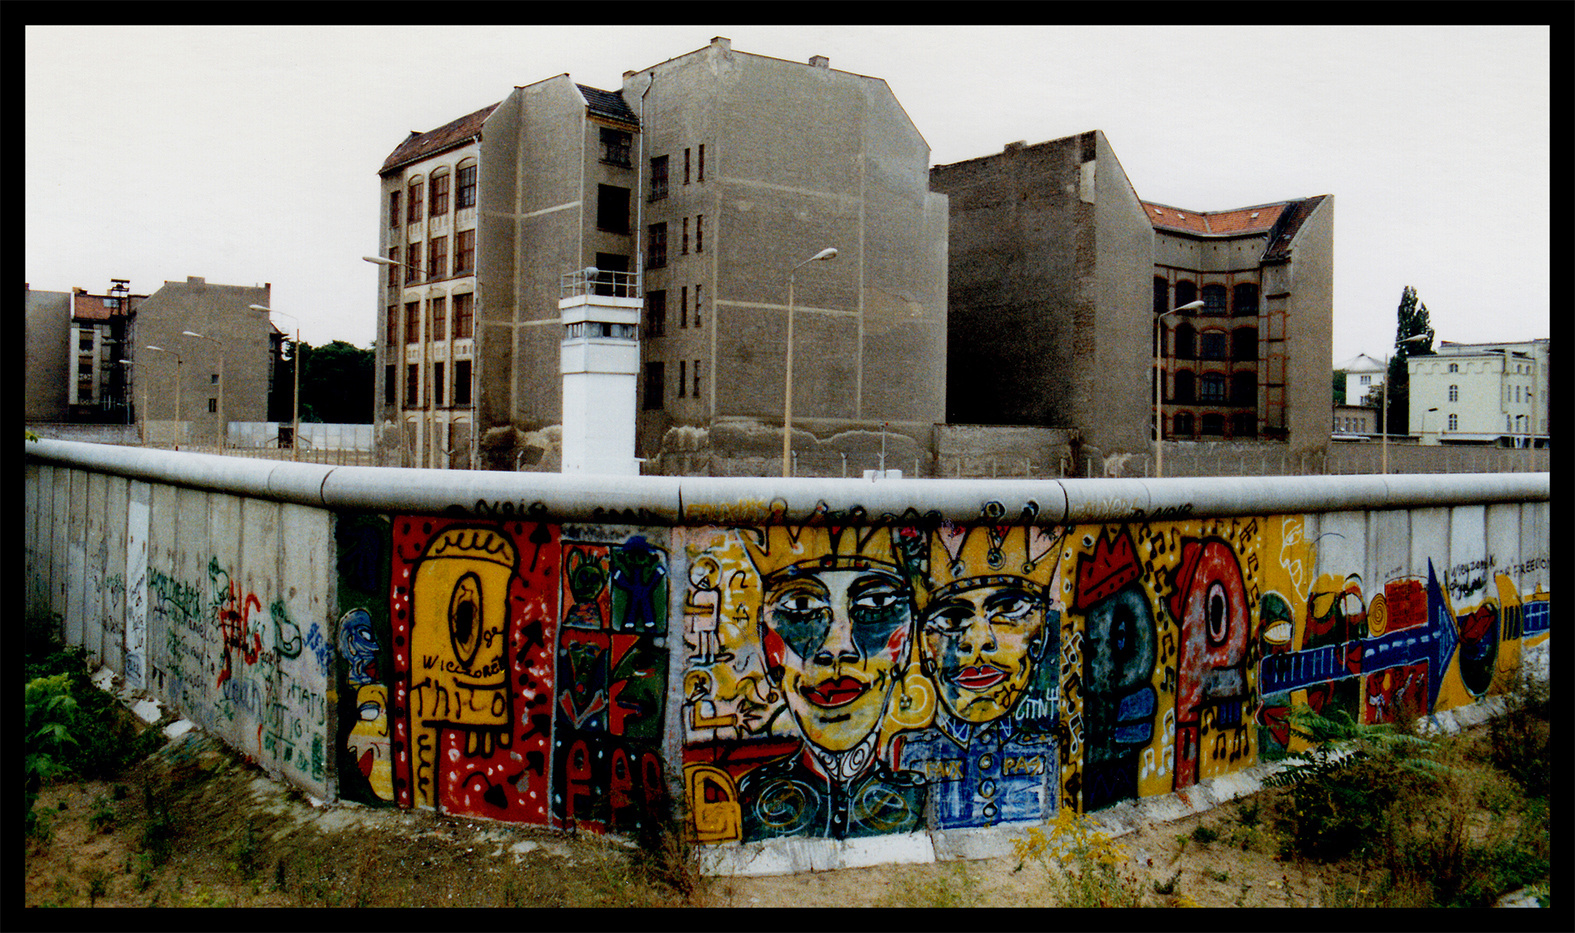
(638, 571)
(360, 647)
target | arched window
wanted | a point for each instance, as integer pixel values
(465, 184)
(1244, 344)
(1186, 342)
(1182, 387)
(1454, 367)
(1246, 300)
(1161, 295)
(1454, 393)
(1211, 389)
(1244, 389)
(1244, 424)
(1212, 345)
(1213, 299)
(1186, 293)
(1454, 422)
(1213, 425)
(1182, 425)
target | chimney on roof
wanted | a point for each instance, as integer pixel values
(722, 42)
(1013, 147)
(196, 280)
(629, 74)
(820, 61)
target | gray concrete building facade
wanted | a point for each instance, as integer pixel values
(704, 179)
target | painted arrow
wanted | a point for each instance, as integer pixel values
(1433, 644)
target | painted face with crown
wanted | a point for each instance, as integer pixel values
(835, 632)
(981, 643)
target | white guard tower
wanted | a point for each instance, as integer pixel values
(600, 360)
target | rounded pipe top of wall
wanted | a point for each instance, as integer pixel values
(700, 500)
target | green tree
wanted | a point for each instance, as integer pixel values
(1411, 320)
(337, 382)
(1339, 388)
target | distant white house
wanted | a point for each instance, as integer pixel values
(1481, 393)
(1363, 375)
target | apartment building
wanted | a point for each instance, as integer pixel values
(1059, 273)
(1364, 379)
(699, 186)
(1481, 393)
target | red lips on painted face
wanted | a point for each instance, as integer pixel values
(836, 692)
(979, 678)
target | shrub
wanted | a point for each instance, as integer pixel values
(1519, 738)
(1082, 863)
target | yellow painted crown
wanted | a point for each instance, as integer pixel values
(962, 556)
(779, 550)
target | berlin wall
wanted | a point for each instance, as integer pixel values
(836, 663)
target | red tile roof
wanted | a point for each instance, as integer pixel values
(1242, 220)
(420, 145)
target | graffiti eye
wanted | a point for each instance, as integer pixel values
(1218, 612)
(464, 618)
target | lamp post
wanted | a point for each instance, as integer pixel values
(224, 427)
(1159, 381)
(178, 423)
(1384, 438)
(295, 393)
(787, 403)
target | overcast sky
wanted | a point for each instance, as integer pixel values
(250, 154)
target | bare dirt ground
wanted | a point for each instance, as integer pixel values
(233, 837)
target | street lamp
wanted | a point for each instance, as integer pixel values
(178, 423)
(224, 427)
(1159, 380)
(1384, 438)
(295, 394)
(787, 403)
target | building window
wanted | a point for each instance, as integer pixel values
(412, 385)
(413, 264)
(697, 296)
(612, 208)
(414, 214)
(700, 233)
(393, 209)
(1182, 387)
(466, 195)
(393, 269)
(1366, 380)
(389, 378)
(696, 392)
(1454, 393)
(1161, 295)
(1246, 300)
(683, 307)
(1186, 293)
(656, 245)
(437, 257)
(437, 383)
(686, 166)
(684, 249)
(1186, 343)
(412, 322)
(1454, 422)
(1182, 425)
(1244, 389)
(658, 178)
(1244, 344)
(439, 327)
(464, 252)
(1212, 425)
(701, 175)
(462, 382)
(616, 145)
(655, 313)
(1212, 345)
(213, 405)
(213, 379)
(440, 195)
(1213, 299)
(391, 332)
(84, 339)
(1211, 390)
(654, 388)
(464, 315)
(682, 377)
(1244, 425)
(1454, 367)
